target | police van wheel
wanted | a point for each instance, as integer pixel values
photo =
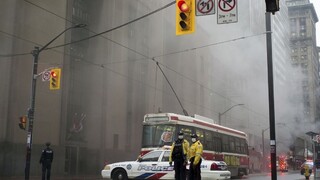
(119, 174)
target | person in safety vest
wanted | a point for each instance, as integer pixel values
(195, 152)
(46, 161)
(178, 154)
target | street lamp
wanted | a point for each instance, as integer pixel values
(220, 114)
(31, 111)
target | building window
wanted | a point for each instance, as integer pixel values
(293, 50)
(303, 49)
(304, 65)
(303, 57)
(294, 58)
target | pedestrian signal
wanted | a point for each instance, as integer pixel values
(185, 16)
(55, 76)
(272, 6)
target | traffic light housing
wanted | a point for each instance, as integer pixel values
(55, 76)
(272, 6)
(185, 16)
(23, 122)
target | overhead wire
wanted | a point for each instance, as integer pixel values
(146, 57)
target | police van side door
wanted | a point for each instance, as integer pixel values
(147, 166)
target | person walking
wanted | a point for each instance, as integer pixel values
(195, 152)
(179, 155)
(46, 161)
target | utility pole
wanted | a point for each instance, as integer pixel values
(31, 110)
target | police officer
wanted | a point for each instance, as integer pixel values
(195, 153)
(178, 154)
(46, 161)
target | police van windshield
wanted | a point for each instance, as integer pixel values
(158, 135)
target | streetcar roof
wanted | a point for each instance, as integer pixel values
(159, 117)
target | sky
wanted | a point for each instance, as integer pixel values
(316, 4)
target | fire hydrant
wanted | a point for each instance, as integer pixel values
(306, 171)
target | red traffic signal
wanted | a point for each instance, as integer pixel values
(53, 74)
(185, 17)
(183, 6)
(55, 79)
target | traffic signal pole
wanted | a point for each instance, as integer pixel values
(31, 110)
(273, 149)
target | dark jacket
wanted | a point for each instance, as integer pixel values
(46, 156)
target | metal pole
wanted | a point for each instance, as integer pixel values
(273, 150)
(219, 118)
(31, 110)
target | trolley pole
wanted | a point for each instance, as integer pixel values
(31, 110)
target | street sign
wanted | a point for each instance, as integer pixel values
(46, 76)
(227, 11)
(205, 7)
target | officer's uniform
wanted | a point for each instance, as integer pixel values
(46, 161)
(195, 153)
(178, 154)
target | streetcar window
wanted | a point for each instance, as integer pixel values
(225, 143)
(232, 144)
(158, 135)
(187, 131)
(200, 134)
(243, 146)
(208, 143)
(237, 144)
(217, 144)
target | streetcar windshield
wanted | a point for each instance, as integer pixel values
(158, 135)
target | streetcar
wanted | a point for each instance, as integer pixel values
(219, 143)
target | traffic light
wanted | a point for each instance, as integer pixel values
(23, 122)
(55, 76)
(185, 16)
(272, 6)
